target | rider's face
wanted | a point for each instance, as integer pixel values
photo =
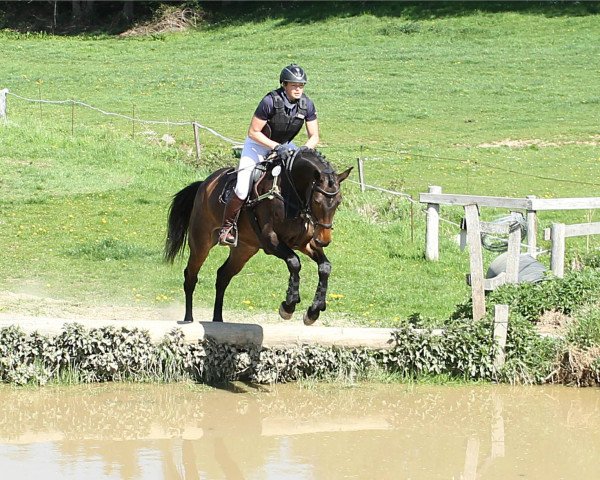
(293, 90)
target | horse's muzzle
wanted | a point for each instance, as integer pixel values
(322, 243)
(322, 235)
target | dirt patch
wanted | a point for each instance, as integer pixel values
(554, 323)
(167, 20)
(536, 142)
(20, 305)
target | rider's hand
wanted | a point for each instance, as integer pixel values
(282, 151)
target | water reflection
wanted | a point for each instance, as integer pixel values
(190, 432)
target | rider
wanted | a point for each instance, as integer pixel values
(276, 121)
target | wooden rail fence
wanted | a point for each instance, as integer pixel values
(558, 233)
(530, 204)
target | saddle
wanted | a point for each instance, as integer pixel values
(259, 173)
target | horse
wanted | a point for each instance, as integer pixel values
(290, 207)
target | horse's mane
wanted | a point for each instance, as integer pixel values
(320, 163)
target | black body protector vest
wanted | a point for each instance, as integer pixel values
(282, 127)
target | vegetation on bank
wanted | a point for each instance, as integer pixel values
(465, 351)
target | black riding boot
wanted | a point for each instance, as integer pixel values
(228, 233)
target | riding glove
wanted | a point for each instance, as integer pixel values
(283, 151)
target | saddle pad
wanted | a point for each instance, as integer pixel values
(257, 173)
(229, 186)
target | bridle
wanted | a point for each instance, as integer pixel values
(305, 206)
(309, 213)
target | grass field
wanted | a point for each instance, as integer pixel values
(475, 100)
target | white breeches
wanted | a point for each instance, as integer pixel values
(252, 153)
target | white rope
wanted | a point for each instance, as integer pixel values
(217, 134)
(404, 195)
(126, 117)
(449, 222)
(372, 187)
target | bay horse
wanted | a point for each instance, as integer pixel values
(291, 207)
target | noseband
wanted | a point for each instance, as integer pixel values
(311, 218)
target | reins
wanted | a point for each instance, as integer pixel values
(304, 205)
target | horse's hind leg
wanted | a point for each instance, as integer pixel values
(233, 265)
(190, 277)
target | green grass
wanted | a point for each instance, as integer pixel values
(413, 90)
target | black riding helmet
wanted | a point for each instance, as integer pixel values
(293, 73)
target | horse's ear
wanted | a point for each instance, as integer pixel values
(344, 175)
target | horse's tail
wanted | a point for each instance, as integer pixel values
(179, 220)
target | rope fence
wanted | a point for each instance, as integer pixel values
(4, 93)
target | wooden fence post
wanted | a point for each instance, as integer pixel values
(133, 121)
(500, 333)
(532, 230)
(432, 229)
(512, 256)
(3, 93)
(557, 254)
(197, 140)
(475, 261)
(361, 174)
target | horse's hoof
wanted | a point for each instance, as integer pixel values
(308, 320)
(283, 314)
(185, 322)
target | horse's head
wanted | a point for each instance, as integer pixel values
(319, 185)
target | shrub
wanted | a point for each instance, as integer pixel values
(531, 300)
(530, 358)
(465, 351)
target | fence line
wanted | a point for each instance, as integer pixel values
(5, 92)
(433, 248)
(3, 109)
(473, 162)
(372, 187)
(196, 125)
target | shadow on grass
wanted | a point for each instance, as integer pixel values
(236, 13)
(109, 18)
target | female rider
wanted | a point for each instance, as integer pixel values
(278, 118)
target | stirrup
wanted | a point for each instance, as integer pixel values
(228, 236)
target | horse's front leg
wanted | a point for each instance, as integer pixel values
(272, 246)
(319, 301)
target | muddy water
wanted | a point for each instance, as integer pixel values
(285, 432)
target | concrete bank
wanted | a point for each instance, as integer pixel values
(241, 334)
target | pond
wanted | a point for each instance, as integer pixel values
(181, 431)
